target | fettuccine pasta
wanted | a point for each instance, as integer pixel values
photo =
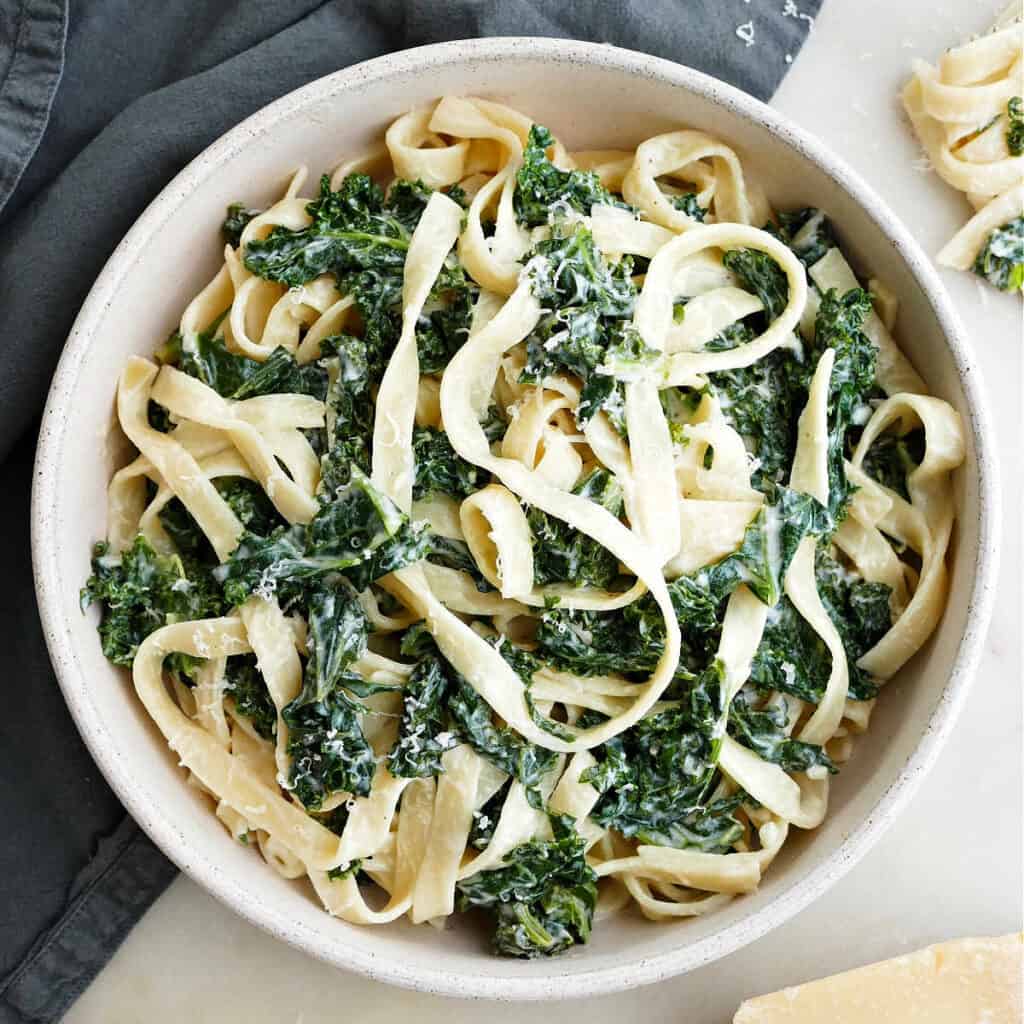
(524, 530)
(968, 114)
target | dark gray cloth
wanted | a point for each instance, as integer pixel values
(100, 106)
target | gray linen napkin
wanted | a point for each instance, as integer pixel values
(101, 103)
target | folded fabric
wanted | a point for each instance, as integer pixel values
(100, 105)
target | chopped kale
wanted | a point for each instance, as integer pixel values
(352, 229)
(1015, 126)
(1001, 259)
(439, 468)
(235, 223)
(563, 554)
(760, 274)
(542, 189)
(351, 412)
(455, 554)
(591, 303)
(808, 233)
(422, 737)
(444, 330)
(140, 591)
(764, 732)
(838, 326)
(542, 897)
(244, 682)
(687, 203)
(361, 533)
(891, 459)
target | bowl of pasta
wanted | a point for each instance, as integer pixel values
(551, 503)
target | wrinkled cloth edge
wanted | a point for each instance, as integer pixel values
(108, 897)
(29, 87)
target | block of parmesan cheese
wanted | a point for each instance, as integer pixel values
(968, 981)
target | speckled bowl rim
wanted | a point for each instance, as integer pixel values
(577, 980)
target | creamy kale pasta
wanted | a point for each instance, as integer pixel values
(524, 531)
(968, 114)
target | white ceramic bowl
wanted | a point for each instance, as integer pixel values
(590, 95)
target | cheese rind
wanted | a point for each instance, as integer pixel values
(967, 981)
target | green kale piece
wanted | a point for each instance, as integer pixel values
(238, 217)
(422, 735)
(861, 613)
(587, 328)
(793, 659)
(338, 632)
(542, 189)
(325, 740)
(439, 468)
(247, 500)
(360, 533)
(352, 229)
(838, 326)
(244, 682)
(329, 752)
(1001, 259)
(352, 412)
(891, 459)
(563, 554)
(764, 732)
(762, 276)
(761, 403)
(687, 202)
(441, 332)
(1015, 126)
(485, 820)
(542, 897)
(808, 232)
(473, 722)
(141, 590)
(237, 376)
(455, 554)
(470, 719)
(652, 778)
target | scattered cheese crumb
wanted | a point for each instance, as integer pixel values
(746, 32)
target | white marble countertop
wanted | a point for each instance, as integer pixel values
(950, 866)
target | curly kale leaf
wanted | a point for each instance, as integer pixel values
(762, 276)
(329, 752)
(542, 897)
(423, 736)
(352, 411)
(861, 613)
(455, 554)
(352, 229)
(244, 683)
(141, 590)
(687, 202)
(652, 777)
(1001, 259)
(247, 500)
(485, 820)
(587, 328)
(793, 659)
(1015, 126)
(338, 632)
(762, 403)
(891, 459)
(764, 732)
(563, 554)
(238, 217)
(361, 534)
(808, 233)
(439, 468)
(838, 326)
(442, 331)
(471, 720)
(542, 189)
(501, 745)
(236, 376)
